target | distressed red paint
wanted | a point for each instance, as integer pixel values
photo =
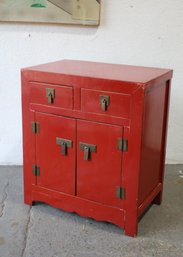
(137, 111)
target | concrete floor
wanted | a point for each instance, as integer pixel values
(42, 231)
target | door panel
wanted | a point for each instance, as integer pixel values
(57, 171)
(100, 174)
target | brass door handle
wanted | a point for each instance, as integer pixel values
(86, 153)
(50, 94)
(88, 149)
(64, 148)
(104, 101)
(64, 143)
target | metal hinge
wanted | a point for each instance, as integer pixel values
(123, 144)
(36, 170)
(35, 127)
(120, 192)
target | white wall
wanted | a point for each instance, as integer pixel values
(143, 32)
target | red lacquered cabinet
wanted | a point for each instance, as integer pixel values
(94, 138)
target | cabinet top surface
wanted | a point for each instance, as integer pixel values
(126, 73)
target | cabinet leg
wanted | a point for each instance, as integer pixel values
(158, 199)
(131, 227)
(28, 200)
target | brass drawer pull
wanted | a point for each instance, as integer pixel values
(88, 149)
(50, 94)
(104, 101)
(64, 143)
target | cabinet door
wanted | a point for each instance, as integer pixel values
(56, 160)
(99, 170)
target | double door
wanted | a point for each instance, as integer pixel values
(79, 157)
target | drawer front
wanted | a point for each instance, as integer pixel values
(104, 102)
(52, 95)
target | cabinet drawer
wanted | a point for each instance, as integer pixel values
(105, 102)
(52, 95)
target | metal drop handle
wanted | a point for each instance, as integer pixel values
(104, 105)
(64, 148)
(86, 153)
(104, 101)
(50, 94)
(88, 149)
(65, 144)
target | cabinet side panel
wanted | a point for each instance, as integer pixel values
(151, 168)
(29, 158)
